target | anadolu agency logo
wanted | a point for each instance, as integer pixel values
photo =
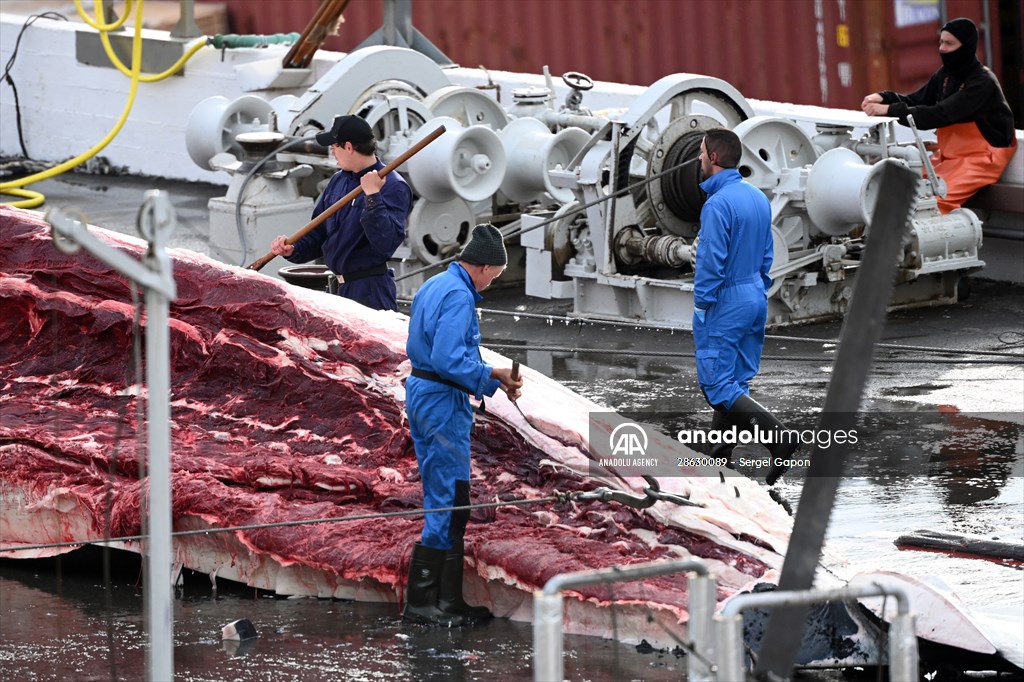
(736, 436)
(628, 440)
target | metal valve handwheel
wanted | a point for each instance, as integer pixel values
(577, 80)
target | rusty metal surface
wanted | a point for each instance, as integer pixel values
(822, 52)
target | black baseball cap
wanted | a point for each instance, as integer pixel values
(348, 128)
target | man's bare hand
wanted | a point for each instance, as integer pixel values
(279, 247)
(873, 109)
(872, 105)
(508, 384)
(873, 98)
(371, 182)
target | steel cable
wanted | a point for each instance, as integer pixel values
(775, 337)
(778, 358)
(558, 497)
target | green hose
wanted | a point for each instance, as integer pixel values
(230, 40)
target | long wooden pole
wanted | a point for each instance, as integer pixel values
(348, 198)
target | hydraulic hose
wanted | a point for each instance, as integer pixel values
(230, 40)
(105, 30)
(32, 198)
(98, 25)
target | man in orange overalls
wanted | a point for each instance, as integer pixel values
(965, 104)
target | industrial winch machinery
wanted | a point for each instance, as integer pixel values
(600, 206)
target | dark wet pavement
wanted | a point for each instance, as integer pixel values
(65, 622)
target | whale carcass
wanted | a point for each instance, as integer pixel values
(287, 405)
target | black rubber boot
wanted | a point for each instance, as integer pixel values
(720, 422)
(450, 597)
(425, 571)
(746, 413)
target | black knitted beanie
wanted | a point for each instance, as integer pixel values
(485, 247)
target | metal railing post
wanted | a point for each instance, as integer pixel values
(702, 602)
(547, 607)
(903, 658)
(547, 637)
(729, 648)
(156, 223)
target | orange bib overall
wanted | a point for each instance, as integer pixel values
(967, 162)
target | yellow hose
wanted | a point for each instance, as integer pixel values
(99, 26)
(33, 198)
(116, 61)
(149, 78)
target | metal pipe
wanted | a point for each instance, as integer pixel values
(903, 657)
(702, 602)
(547, 606)
(551, 118)
(909, 154)
(154, 273)
(158, 512)
(986, 22)
(1013, 233)
(729, 644)
(157, 208)
(785, 598)
(933, 179)
(547, 637)
(615, 574)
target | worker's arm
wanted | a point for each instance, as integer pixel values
(929, 112)
(880, 103)
(768, 259)
(451, 356)
(310, 246)
(712, 252)
(385, 213)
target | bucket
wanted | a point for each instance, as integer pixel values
(307, 276)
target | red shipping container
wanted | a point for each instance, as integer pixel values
(822, 52)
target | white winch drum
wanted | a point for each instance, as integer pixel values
(215, 122)
(468, 163)
(841, 191)
(532, 151)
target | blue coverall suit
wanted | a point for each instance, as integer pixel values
(444, 338)
(362, 235)
(734, 255)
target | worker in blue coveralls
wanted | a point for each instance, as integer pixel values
(357, 241)
(734, 255)
(444, 349)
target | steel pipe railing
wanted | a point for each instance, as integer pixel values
(903, 656)
(547, 614)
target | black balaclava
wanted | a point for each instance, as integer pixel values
(964, 56)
